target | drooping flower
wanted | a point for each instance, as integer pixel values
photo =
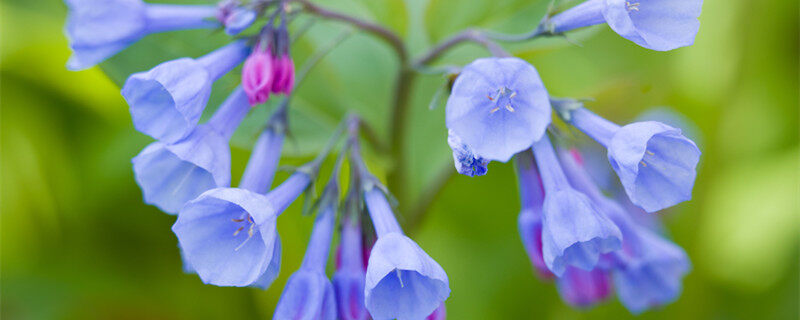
(467, 162)
(583, 289)
(229, 235)
(166, 102)
(655, 162)
(99, 29)
(574, 232)
(654, 24)
(258, 75)
(403, 282)
(235, 17)
(498, 107)
(170, 174)
(531, 196)
(308, 294)
(349, 279)
(283, 76)
(649, 269)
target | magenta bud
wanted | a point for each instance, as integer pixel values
(258, 75)
(439, 314)
(283, 76)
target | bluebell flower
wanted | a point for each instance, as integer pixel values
(574, 232)
(235, 17)
(467, 162)
(349, 279)
(582, 289)
(531, 195)
(403, 282)
(99, 29)
(649, 269)
(653, 24)
(498, 107)
(229, 235)
(308, 294)
(170, 174)
(655, 162)
(166, 102)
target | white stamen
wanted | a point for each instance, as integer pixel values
(399, 278)
(509, 108)
(632, 6)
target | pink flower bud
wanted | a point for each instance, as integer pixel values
(257, 75)
(283, 76)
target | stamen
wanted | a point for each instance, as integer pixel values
(643, 163)
(509, 108)
(649, 152)
(490, 98)
(399, 278)
(236, 233)
(494, 110)
(632, 6)
(238, 220)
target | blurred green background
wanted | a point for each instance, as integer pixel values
(79, 243)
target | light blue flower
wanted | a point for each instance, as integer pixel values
(229, 235)
(238, 20)
(531, 196)
(166, 102)
(655, 162)
(467, 162)
(308, 294)
(403, 282)
(498, 107)
(652, 274)
(349, 279)
(99, 29)
(170, 174)
(574, 232)
(649, 269)
(583, 289)
(653, 24)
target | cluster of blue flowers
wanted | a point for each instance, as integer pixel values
(498, 109)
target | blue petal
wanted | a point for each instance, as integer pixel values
(239, 20)
(273, 269)
(403, 282)
(172, 174)
(213, 230)
(166, 102)
(655, 280)
(349, 287)
(655, 24)
(655, 163)
(308, 295)
(498, 107)
(574, 232)
(98, 29)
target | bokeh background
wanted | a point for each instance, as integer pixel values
(79, 243)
